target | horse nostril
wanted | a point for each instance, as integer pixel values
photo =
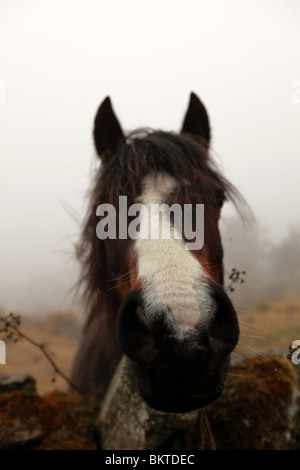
(133, 330)
(223, 326)
(140, 311)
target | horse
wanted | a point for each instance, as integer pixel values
(162, 305)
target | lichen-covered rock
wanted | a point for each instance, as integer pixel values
(126, 422)
(53, 421)
(68, 423)
(17, 434)
(22, 382)
(258, 407)
(257, 410)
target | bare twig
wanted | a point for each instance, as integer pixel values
(235, 277)
(10, 326)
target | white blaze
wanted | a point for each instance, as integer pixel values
(174, 278)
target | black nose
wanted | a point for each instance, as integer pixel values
(178, 372)
(181, 404)
(134, 332)
(140, 340)
(223, 328)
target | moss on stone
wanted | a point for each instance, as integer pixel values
(256, 411)
(256, 408)
(63, 421)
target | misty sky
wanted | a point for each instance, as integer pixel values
(60, 59)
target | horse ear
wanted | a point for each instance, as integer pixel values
(107, 129)
(196, 120)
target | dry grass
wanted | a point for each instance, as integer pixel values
(269, 326)
(22, 357)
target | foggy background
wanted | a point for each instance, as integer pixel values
(60, 59)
